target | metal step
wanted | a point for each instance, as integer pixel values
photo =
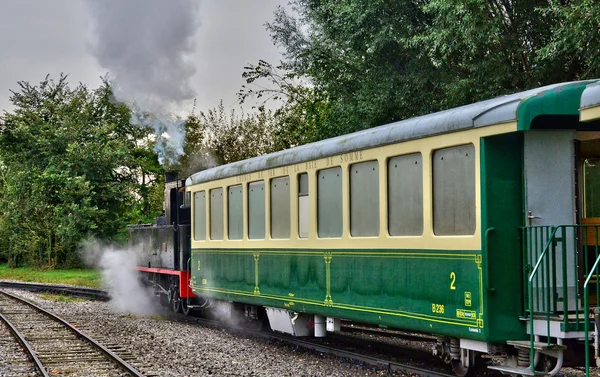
(516, 371)
(538, 346)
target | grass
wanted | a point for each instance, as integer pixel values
(61, 298)
(81, 277)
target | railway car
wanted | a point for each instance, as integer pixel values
(477, 224)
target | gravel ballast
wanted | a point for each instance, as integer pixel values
(168, 348)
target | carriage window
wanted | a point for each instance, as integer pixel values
(591, 171)
(405, 195)
(303, 205)
(454, 190)
(280, 207)
(256, 210)
(329, 202)
(200, 215)
(364, 199)
(216, 214)
(235, 215)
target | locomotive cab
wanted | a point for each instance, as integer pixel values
(164, 246)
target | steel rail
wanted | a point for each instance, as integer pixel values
(368, 360)
(108, 353)
(344, 328)
(83, 292)
(30, 352)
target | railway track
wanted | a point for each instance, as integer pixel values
(89, 293)
(54, 346)
(343, 345)
(349, 327)
(417, 361)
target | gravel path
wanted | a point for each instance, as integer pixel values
(179, 349)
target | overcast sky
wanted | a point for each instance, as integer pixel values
(39, 37)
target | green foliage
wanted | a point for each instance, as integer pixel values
(356, 52)
(576, 37)
(71, 167)
(375, 62)
(302, 116)
(231, 137)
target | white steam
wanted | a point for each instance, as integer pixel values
(120, 277)
(145, 46)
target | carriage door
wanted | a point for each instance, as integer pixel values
(550, 192)
(589, 192)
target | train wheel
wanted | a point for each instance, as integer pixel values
(177, 303)
(459, 369)
(184, 307)
(470, 370)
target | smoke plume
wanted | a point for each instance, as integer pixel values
(120, 277)
(145, 44)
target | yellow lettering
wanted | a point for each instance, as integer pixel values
(452, 281)
(437, 308)
(467, 298)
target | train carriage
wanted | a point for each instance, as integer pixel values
(477, 224)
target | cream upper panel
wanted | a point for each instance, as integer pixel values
(428, 240)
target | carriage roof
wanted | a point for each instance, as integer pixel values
(591, 96)
(523, 107)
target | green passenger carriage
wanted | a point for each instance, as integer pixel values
(475, 224)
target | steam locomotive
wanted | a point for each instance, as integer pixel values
(165, 245)
(478, 224)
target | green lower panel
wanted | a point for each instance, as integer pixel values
(428, 291)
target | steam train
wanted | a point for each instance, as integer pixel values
(478, 224)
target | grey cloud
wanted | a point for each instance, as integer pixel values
(145, 46)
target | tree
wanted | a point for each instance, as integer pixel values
(71, 163)
(230, 138)
(303, 110)
(383, 61)
(357, 53)
(576, 37)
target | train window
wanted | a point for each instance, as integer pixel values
(216, 214)
(405, 195)
(591, 174)
(200, 215)
(364, 199)
(329, 202)
(454, 190)
(303, 205)
(256, 210)
(235, 214)
(280, 207)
